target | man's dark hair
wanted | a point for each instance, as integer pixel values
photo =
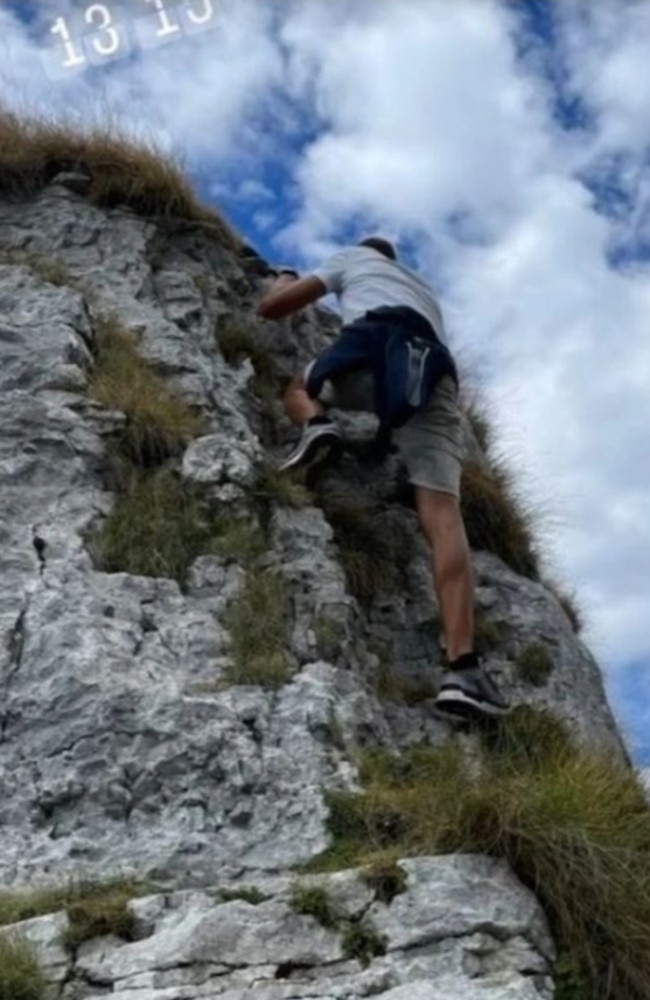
(383, 246)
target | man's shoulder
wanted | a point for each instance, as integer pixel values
(334, 271)
(346, 255)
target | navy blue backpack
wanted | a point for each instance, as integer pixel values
(404, 354)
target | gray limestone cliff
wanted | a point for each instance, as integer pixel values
(128, 746)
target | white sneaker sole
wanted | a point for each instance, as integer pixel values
(319, 450)
(466, 706)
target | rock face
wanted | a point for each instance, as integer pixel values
(463, 926)
(124, 749)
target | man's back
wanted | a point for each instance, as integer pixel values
(364, 279)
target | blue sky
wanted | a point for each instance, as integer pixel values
(505, 145)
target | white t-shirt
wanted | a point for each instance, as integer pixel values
(363, 279)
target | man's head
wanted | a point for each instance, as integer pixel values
(383, 246)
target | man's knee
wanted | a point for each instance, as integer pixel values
(439, 512)
(437, 501)
(295, 384)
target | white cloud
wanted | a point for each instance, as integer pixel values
(606, 58)
(206, 94)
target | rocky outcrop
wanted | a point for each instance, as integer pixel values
(462, 926)
(125, 747)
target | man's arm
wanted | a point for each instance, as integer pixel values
(288, 295)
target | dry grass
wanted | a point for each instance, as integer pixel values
(101, 910)
(93, 908)
(490, 633)
(498, 520)
(386, 878)
(123, 171)
(49, 269)
(258, 621)
(158, 423)
(20, 975)
(239, 539)
(313, 901)
(272, 486)
(236, 341)
(158, 527)
(574, 827)
(159, 524)
(498, 517)
(535, 664)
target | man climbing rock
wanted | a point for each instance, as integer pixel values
(393, 326)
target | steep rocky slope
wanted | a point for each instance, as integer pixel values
(128, 747)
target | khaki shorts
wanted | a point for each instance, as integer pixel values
(431, 443)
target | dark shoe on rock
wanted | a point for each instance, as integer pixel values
(467, 691)
(318, 443)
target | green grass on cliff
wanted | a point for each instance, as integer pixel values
(158, 527)
(159, 424)
(21, 977)
(123, 171)
(258, 621)
(498, 520)
(574, 827)
(93, 909)
(159, 523)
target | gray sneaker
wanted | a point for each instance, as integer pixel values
(469, 693)
(318, 443)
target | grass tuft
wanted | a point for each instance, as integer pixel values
(574, 827)
(158, 424)
(158, 527)
(386, 878)
(273, 486)
(48, 268)
(258, 621)
(569, 984)
(313, 901)
(498, 521)
(236, 341)
(249, 894)
(239, 539)
(93, 908)
(489, 633)
(21, 977)
(363, 942)
(535, 664)
(122, 170)
(99, 910)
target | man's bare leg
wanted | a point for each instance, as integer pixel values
(320, 439)
(298, 406)
(466, 689)
(453, 575)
